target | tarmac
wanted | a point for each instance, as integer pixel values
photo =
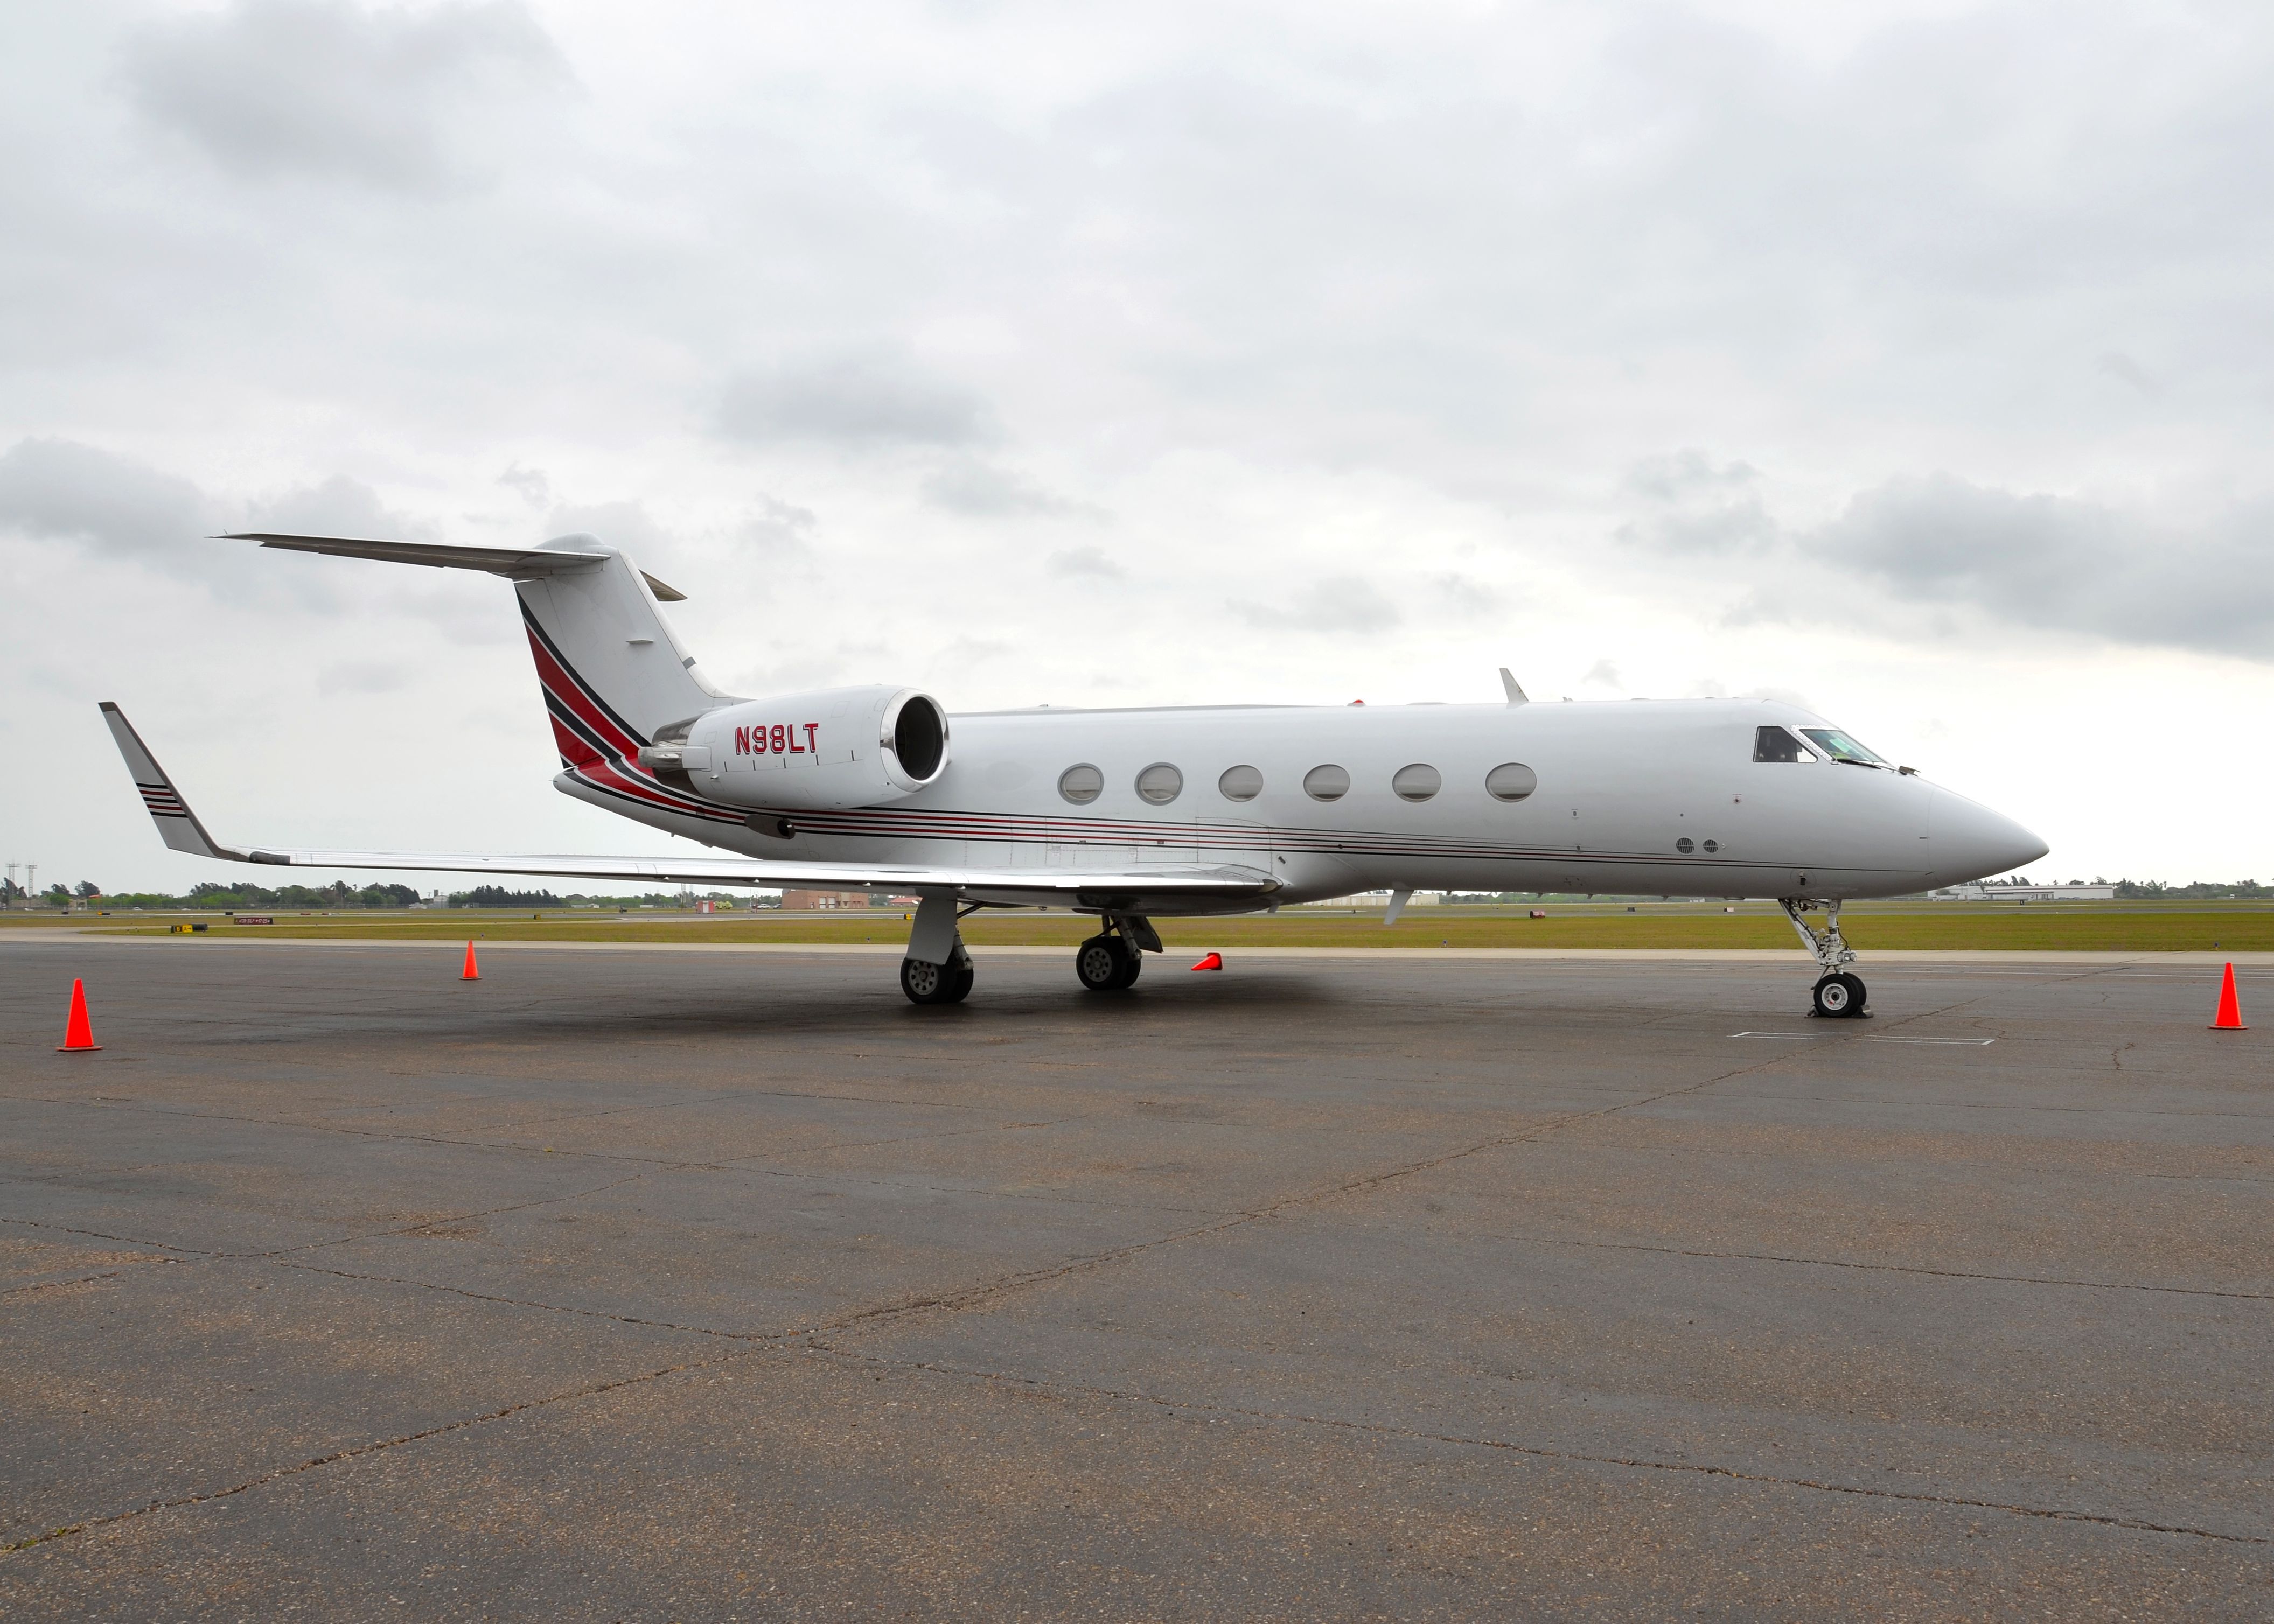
(654, 1284)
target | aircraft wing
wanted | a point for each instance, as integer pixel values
(181, 829)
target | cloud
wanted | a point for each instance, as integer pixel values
(856, 400)
(1465, 596)
(1980, 554)
(1603, 674)
(977, 490)
(338, 506)
(1337, 604)
(536, 489)
(1684, 474)
(2063, 564)
(360, 677)
(60, 490)
(329, 88)
(1699, 506)
(1085, 561)
(778, 527)
(1713, 529)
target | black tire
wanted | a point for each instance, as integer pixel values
(1103, 964)
(1840, 998)
(930, 983)
(1134, 967)
(958, 987)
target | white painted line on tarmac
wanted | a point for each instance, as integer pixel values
(1787, 1037)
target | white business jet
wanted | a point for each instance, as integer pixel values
(1134, 814)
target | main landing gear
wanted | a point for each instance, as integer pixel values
(937, 970)
(933, 983)
(1839, 991)
(1110, 961)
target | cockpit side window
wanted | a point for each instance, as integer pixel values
(1777, 744)
(1840, 746)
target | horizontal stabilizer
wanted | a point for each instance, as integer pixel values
(521, 563)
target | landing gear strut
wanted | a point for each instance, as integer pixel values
(1110, 960)
(1839, 993)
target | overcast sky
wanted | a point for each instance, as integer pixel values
(1909, 360)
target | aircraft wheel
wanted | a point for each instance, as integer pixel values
(958, 986)
(932, 983)
(1840, 998)
(1104, 964)
(1133, 965)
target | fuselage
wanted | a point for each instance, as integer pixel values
(1635, 797)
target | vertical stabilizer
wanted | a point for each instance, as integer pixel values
(612, 670)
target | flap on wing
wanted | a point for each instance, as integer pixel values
(1224, 882)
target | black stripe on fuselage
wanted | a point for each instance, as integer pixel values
(598, 702)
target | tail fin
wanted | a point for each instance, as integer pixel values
(612, 670)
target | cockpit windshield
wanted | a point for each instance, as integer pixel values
(1840, 746)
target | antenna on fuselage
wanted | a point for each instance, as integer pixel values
(1516, 693)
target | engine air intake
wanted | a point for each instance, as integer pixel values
(915, 732)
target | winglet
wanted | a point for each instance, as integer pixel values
(177, 826)
(1515, 695)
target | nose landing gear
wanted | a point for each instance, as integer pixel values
(1840, 993)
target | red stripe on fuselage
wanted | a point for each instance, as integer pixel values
(563, 686)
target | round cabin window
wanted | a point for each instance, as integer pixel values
(1160, 784)
(1511, 781)
(1241, 783)
(1416, 782)
(1081, 784)
(1685, 845)
(1327, 783)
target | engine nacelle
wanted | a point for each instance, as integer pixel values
(841, 746)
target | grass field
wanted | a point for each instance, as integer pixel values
(2101, 928)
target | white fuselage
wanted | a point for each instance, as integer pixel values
(1636, 797)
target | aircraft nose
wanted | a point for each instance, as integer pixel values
(1970, 842)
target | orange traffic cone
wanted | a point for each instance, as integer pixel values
(1214, 961)
(471, 973)
(78, 1035)
(2229, 1009)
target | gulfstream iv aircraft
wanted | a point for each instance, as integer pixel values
(1132, 814)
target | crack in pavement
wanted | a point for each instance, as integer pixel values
(79, 1279)
(732, 1164)
(211, 1254)
(1891, 1268)
(1538, 1451)
(355, 1451)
